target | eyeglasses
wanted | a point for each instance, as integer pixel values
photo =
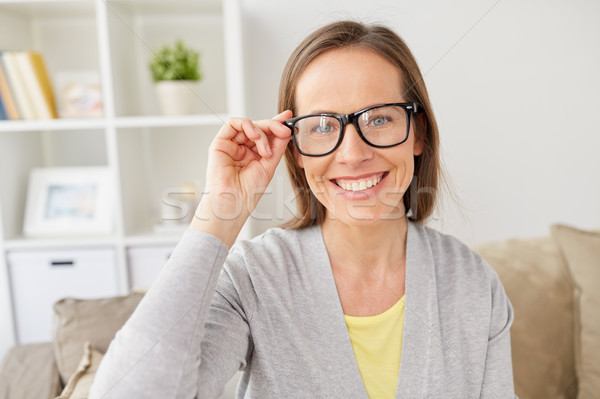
(380, 126)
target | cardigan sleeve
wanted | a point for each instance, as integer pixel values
(227, 343)
(185, 339)
(498, 380)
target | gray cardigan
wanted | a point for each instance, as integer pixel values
(270, 307)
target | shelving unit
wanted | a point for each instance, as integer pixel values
(145, 152)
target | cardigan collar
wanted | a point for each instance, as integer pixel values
(420, 324)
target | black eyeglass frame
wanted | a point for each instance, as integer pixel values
(352, 118)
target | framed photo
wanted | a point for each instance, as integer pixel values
(69, 201)
(79, 94)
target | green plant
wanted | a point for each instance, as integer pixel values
(175, 62)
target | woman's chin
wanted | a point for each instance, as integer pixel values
(357, 217)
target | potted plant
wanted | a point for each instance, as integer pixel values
(176, 72)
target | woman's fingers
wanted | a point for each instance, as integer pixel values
(246, 133)
(275, 124)
(254, 135)
(282, 117)
(280, 134)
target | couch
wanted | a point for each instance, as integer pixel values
(551, 281)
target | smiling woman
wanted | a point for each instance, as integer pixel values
(345, 80)
(354, 298)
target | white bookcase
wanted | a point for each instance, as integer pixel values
(145, 152)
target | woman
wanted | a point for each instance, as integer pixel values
(351, 300)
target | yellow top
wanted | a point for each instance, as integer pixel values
(377, 344)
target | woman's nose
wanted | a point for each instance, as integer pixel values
(353, 149)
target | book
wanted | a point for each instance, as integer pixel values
(3, 115)
(19, 89)
(33, 86)
(44, 81)
(6, 94)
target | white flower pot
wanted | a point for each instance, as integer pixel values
(177, 97)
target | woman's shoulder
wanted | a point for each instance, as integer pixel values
(467, 290)
(453, 259)
(280, 248)
(277, 239)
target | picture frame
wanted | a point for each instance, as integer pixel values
(79, 94)
(69, 201)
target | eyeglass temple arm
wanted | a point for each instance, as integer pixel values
(414, 107)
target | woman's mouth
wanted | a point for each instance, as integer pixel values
(359, 184)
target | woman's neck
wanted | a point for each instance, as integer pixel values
(379, 248)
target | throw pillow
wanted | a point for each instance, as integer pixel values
(581, 249)
(94, 320)
(80, 382)
(535, 279)
(29, 371)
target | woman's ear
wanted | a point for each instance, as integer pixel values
(299, 158)
(420, 131)
(418, 146)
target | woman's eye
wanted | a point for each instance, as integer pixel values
(379, 121)
(322, 128)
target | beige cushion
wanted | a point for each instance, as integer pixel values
(80, 382)
(582, 251)
(536, 281)
(77, 321)
(29, 371)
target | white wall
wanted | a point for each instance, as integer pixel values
(515, 86)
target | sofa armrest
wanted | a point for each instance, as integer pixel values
(29, 371)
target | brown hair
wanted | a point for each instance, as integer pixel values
(420, 197)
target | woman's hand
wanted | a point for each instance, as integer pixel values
(241, 163)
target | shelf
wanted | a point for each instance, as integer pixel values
(150, 239)
(161, 7)
(121, 122)
(58, 242)
(142, 239)
(46, 8)
(167, 121)
(52, 124)
(149, 155)
(134, 38)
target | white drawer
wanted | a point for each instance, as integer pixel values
(40, 278)
(145, 263)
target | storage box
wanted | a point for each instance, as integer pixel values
(40, 278)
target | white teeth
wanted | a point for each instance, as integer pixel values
(359, 185)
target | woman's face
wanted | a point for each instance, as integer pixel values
(344, 81)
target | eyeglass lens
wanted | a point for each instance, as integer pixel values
(383, 126)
